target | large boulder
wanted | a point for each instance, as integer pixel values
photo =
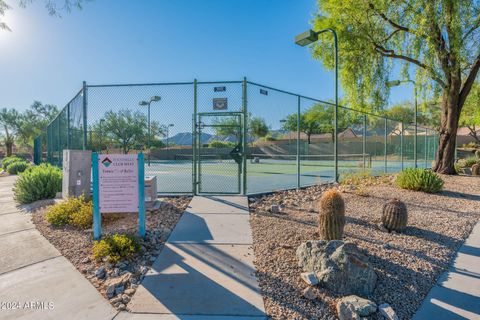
(339, 266)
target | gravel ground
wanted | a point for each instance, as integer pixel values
(76, 245)
(407, 264)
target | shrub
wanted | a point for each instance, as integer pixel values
(37, 183)
(8, 160)
(17, 167)
(74, 211)
(331, 219)
(419, 180)
(116, 247)
(220, 144)
(470, 161)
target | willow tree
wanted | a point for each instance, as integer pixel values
(436, 41)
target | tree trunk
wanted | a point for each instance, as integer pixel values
(9, 147)
(308, 137)
(451, 108)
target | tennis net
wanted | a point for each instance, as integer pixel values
(344, 160)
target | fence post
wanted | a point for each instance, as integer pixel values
(298, 141)
(244, 110)
(426, 149)
(84, 91)
(385, 143)
(194, 140)
(364, 141)
(68, 126)
(401, 144)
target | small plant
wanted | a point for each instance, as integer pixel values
(419, 180)
(477, 154)
(8, 160)
(331, 219)
(74, 211)
(394, 215)
(355, 178)
(116, 247)
(38, 183)
(476, 169)
(17, 167)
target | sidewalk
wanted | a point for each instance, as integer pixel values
(457, 293)
(36, 281)
(206, 269)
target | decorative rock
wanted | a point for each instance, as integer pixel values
(275, 208)
(119, 290)
(121, 307)
(125, 298)
(339, 266)
(100, 273)
(130, 291)
(387, 311)
(363, 307)
(116, 299)
(86, 260)
(346, 312)
(309, 293)
(110, 291)
(310, 278)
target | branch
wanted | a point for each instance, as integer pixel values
(391, 22)
(391, 54)
(467, 86)
(473, 28)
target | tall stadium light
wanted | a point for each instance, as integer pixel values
(148, 103)
(395, 83)
(309, 37)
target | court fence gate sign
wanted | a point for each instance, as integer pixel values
(232, 137)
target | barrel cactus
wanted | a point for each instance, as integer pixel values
(394, 215)
(331, 220)
(476, 169)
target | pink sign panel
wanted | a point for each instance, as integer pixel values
(118, 182)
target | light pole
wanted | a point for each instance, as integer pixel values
(307, 38)
(145, 103)
(168, 129)
(396, 83)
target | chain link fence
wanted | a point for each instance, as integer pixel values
(234, 136)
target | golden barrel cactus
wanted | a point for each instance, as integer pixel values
(476, 169)
(331, 219)
(394, 215)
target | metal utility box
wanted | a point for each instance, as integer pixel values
(150, 191)
(77, 170)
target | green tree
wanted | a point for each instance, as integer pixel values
(470, 116)
(124, 127)
(9, 120)
(34, 120)
(435, 39)
(54, 8)
(257, 127)
(319, 119)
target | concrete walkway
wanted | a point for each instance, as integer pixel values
(457, 293)
(205, 270)
(36, 281)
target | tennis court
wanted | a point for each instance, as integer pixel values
(232, 137)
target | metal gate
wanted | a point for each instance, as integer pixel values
(218, 161)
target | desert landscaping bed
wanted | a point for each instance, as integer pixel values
(407, 264)
(122, 277)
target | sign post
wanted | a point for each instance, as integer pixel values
(118, 186)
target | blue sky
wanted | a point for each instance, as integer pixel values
(124, 41)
